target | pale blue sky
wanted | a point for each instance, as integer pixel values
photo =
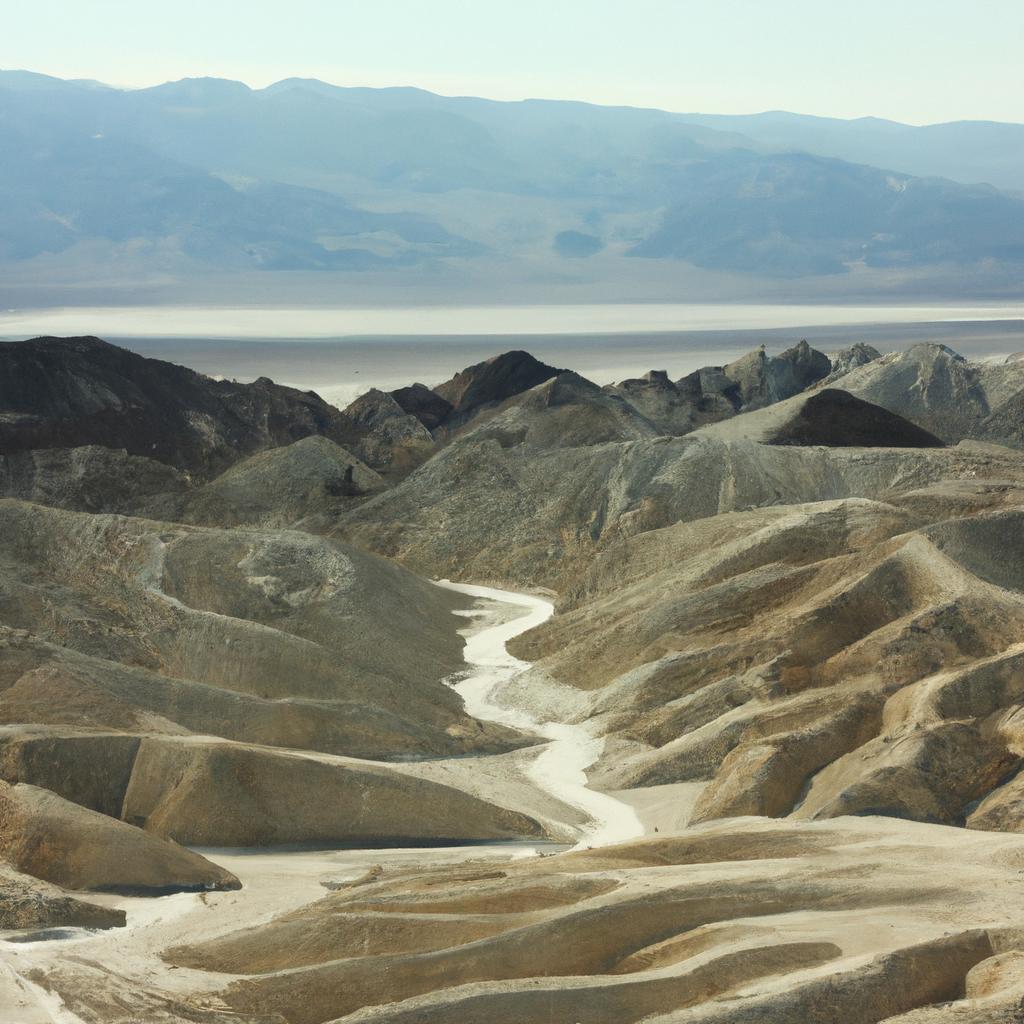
(912, 60)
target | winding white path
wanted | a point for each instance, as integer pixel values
(276, 882)
(561, 769)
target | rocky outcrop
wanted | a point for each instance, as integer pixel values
(712, 384)
(42, 834)
(763, 379)
(828, 417)
(567, 411)
(676, 408)
(939, 390)
(426, 405)
(69, 392)
(848, 359)
(715, 393)
(396, 442)
(487, 384)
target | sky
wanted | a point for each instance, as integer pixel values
(917, 61)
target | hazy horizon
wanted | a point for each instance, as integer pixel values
(384, 156)
(260, 85)
(678, 56)
(255, 323)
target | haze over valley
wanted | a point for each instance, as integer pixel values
(303, 189)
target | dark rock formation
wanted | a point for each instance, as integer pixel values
(712, 384)
(94, 479)
(840, 420)
(69, 392)
(828, 417)
(426, 405)
(490, 383)
(395, 442)
(673, 408)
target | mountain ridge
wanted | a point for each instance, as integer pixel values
(209, 174)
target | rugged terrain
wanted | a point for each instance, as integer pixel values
(789, 602)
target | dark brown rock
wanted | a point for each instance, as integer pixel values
(426, 405)
(491, 382)
(68, 392)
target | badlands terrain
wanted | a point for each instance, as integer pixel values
(513, 699)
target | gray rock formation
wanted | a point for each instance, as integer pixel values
(848, 359)
(764, 379)
(566, 411)
(95, 479)
(932, 386)
(309, 480)
(396, 442)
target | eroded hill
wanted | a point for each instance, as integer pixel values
(789, 608)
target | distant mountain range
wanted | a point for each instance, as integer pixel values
(209, 175)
